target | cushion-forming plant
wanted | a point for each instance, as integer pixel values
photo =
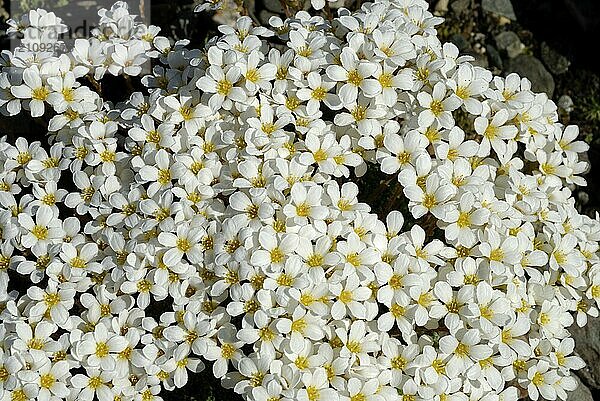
(212, 218)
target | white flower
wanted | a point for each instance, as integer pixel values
(185, 242)
(400, 152)
(306, 203)
(101, 347)
(355, 74)
(50, 378)
(218, 214)
(53, 301)
(222, 84)
(33, 89)
(227, 350)
(465, 349)
(316, 387)
(318, 91)
(437, 107)
(463, 221)
(96, 382)
(44, 231)
(541, 381)
(494, 132)
(349, 298)
(430, 199)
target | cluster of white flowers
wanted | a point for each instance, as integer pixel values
(212, 219)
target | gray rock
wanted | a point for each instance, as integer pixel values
(532, 68)
(500, 7)
(460, 42)
(556, 62)
(581, 393)
(481, 60)
(510, 42)
(494, 56)
(442, 6)
(273, 6)
(460, 6)
(587, 347)
(264, 15)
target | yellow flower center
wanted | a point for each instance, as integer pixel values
(464, 219)
(35, 343)
(315, 260)
(144, 285)
(187, 113)
(560, 257)
(253, 75)
(95, 382)
(462, 350)
(40, 232)
(3, 374)
(385, 80)
(358, 397)
(319, 93)
(395, 281)
(544, 318)
(101, 349)
(595, 291)
(68, 94)
(153, 136)
(266, 334)
(304, 51)
(282, 72)
(398, 363)
(40, 93)
(463, 92)
(268, 128)
(436, 107)
(354, 77)
(228, 350)
(491, 132)
(359, 113)
(285, 280)
(320, 155)
(108, 156)
(429, 201)
(486, 311)
(453, 306)
(497, 255)
(354, 259)
(313, 393)
(404, 158)
(439, 366)
(183, 244)
(164, 176)
(520, 365)
(354, 346)
(397, 310)
(346, 296)
(425, 299)
(303, 209)
(77, 262)
(51, 299)
(299, 325)
(471, 279)
(47, 381)
(538, 379)
(49, 199)
(301, 362)
(24, 158)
